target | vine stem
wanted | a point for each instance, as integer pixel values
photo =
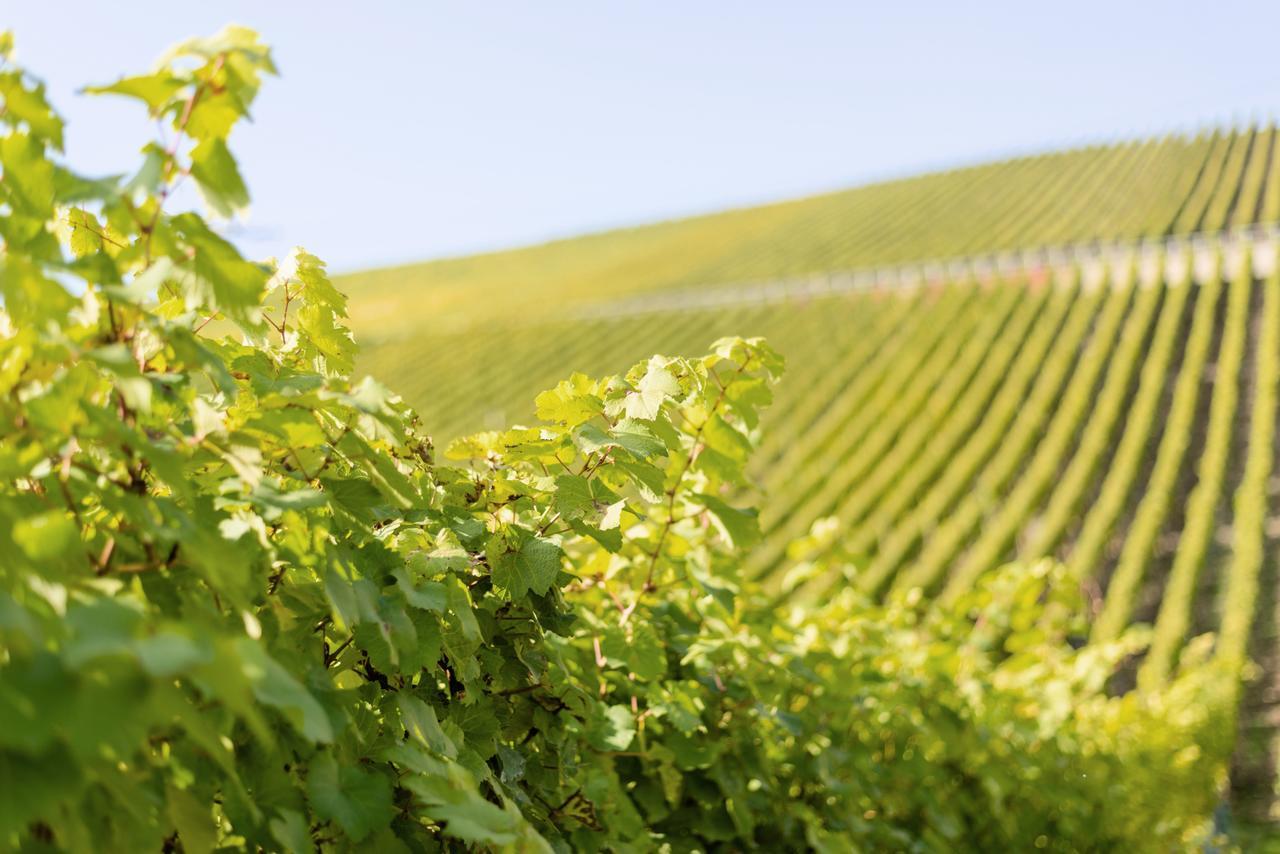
(172, 152)
(284, 315)
(694, 449)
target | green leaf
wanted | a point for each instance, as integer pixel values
(641, 652)
(654, 389)
(358, 800)
(167, 654)
(214, 275)
(218, 178)
(649, 478)
(46, 536)
(289, 828)
(452, 800)
(74, 189)
(739, 527)
(590, 439)
(532, 566)
(726, 439)
(682, 705)
(370, 396)
(28, 176)
(321, 328)
(231, 40)
(382, 470)
(100, 627)
(87, 234)
(747, 396)
(421, 724)
(27, 103)
(129, 381)
(571, 403)
(614, 729)
(273, 498)
(33, 787)
(154, 90)
(611, 540)
(460, 608)
(390, 638)
(213, 117)
(429, 595)
(573, 496)
(275, 686)
(310, 281)
(513, 763)
(476, 821)
(193, 820)
(612, 516)
(31, 297)
(638, 439)
(150, 174)
(298, 428)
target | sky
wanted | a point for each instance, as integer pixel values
(403, 131)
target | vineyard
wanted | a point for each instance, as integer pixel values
(933, 515)
(1174, 185)
(1120, 416)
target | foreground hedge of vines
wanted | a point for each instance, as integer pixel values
(243, 604)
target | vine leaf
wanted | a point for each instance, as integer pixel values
(358, 800)
(653, 390)
(738, 527)
(531, 567)
(218, 178)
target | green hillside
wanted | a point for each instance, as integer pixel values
(1125, 424)
(427, 328)
(1176, 184)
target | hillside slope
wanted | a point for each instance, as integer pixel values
(1122, 419)
(1176, 184)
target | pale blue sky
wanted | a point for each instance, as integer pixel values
(401, 131)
